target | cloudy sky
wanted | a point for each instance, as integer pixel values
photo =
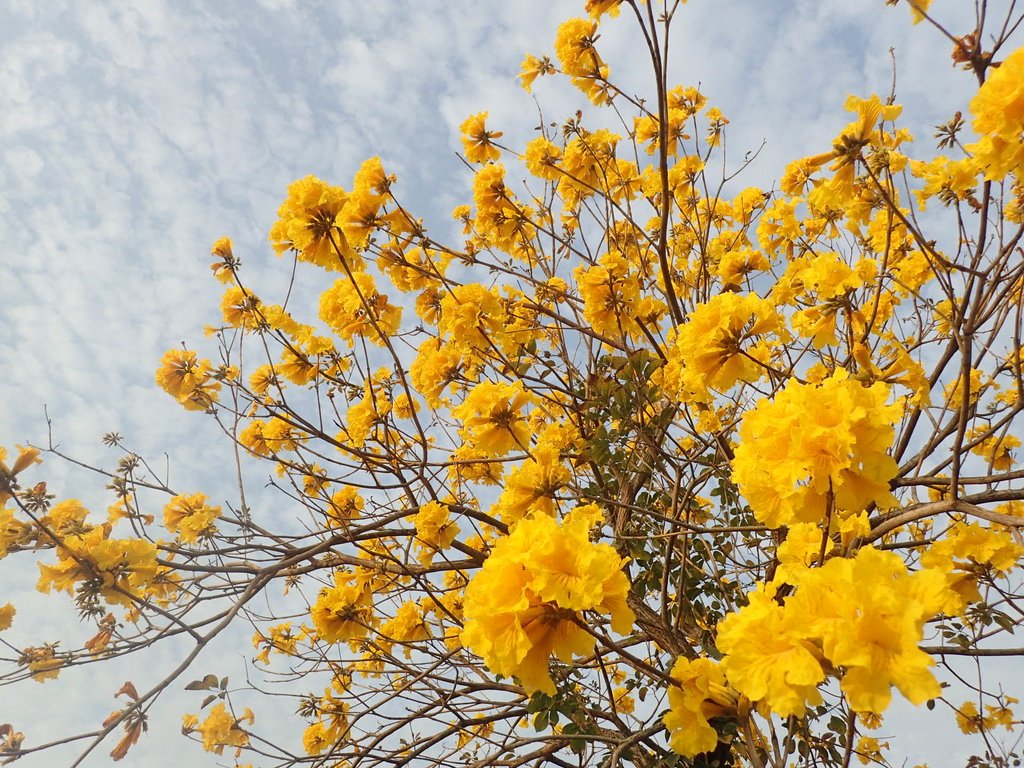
(135, 134)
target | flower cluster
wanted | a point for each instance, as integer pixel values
(527, 601)
(859, 618)
(815, 446)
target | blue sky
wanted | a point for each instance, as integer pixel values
(135, 135)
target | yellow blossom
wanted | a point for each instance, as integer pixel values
(6, 616)
(699, 694)
(767, 659)
(435, 530)
(477, 141)
(344, 611)
(998, 110)
(532, 68)
(346, 505)
(221, 729)
(190, 517)
(722, 343)
(224, 269)
(531, 487)
(241, 309)
(813, 443)
(574, 44)
(542, 158)
(187, 379)
(306, 225)
(353, 307)
(996, 449)
(525, 603)
(493, 422)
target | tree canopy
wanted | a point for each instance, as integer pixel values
(648, 468)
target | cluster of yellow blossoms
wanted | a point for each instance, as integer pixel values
(528, 600)
(219, 729)
(859, 619)
(817, 449)
(755, 339)
(120, 569)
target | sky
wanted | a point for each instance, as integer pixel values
(136, 134)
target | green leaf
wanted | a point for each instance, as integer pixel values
(540, 721)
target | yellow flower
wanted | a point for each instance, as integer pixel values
(699, 694)
(294, 366)
(6, 616)
(612, 299)
(998, 110)
(187, 379)
(589, 159)
(223, 270)
(864, 615)
(358, 217)
(967, 718)
(996, 449)
(734, 265)
(190, 517)
(869, 750)
(436, 366)
(624, 701)
(919, 8)
(1001, 714)
(306, 224)
(346, 505)
(815, 442)
(120, 569)
(281, 640)
(574, 45)
(27, 456)
(531, 487)
(493, 422)
(800, 550)
(477, 141)
(688, 100)
(364, 417)
(42, 662)
(67, 518)
(405, 406)
(542, 157)
(411, 269)
(868, 614)
(767, 659)
(264, 438)
(961, 556)
(241, 309)
(719, 344)
(467, 464)
(434, 530)
(525, 603)
(314, 739)
(344, 611)
(597, 8)
(353, 307)
(220, 729)
(406, 627)
(472, 316)
(371, 178)
(949, 180)
(532, 68)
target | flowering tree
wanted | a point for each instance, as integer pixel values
(648, 469)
